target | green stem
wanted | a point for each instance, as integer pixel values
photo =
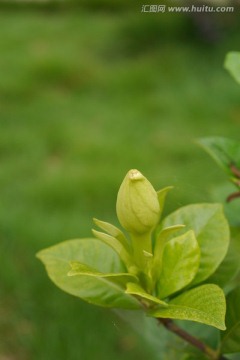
(142, 254)
(141, 243)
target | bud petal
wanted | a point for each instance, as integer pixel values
(138, 209)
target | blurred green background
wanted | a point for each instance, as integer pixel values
(89, 90)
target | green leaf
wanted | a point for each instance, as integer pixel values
(205, 304)
(163, 236)
(232, 64)
(78, 269)
(95, 254)
(230, 266)
(135, 289)
(207, 334)
(231, 337)
(160, 242)
(160, 341)
(231, 209)
(162, 196)
(211, 230)
(116, 245)
(224, 151)
(180, 262)
(113, 231)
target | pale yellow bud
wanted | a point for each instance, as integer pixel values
(138, 209)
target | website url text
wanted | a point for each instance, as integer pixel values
(188, 9)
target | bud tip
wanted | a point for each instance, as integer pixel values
(135, 175)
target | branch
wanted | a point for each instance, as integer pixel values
(235, 171)
(233, 196)
(171, 326)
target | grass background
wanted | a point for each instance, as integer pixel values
(84, 97)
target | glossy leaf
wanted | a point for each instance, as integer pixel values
(230, 266)
(223, 150)
(204, 304)
(135, 289)
(163, 343)
(211, 230)
(78, 269)
(180, 262)
(160, 242)
(232, 64)
(207, 334)
(163, 236)
(231, 209)
(95, 254)
(231, 337)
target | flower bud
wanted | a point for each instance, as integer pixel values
(138, 209)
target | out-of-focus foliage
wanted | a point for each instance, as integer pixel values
(84, 96)
(232, 64)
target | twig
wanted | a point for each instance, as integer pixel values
(171, 326)
(233, 196)
(235, 171)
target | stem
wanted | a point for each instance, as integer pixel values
(141, 243)
(235, 170)
(233, 196)
(142, 254)
(171, 326)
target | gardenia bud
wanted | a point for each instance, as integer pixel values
(138, 208)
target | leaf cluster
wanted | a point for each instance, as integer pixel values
(188, 247)
(184, 271)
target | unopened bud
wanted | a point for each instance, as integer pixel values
(138, 209)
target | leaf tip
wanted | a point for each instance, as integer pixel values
(96, 221)
(94, 232)
(147, 254)
(166, 189)
(39, 255)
